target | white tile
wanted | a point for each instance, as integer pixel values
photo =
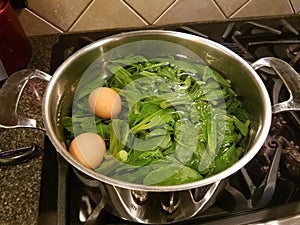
(150, 10)
(229, 7)
(259, 8)
(108, 14)
(34, 25)
(296, 5)
(61, 13)
(186, 11)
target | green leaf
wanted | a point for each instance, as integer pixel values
(243, 127)
(171, 175)
(180, 119)
(225, 160)
(186, 138)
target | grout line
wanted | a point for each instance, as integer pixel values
(135, 12)
(292, 6)
(164, 12)
(240, 8)
(220, 9)
(244, 5)
(80, 15)
(44, 20)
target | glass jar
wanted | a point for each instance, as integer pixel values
(15, 48)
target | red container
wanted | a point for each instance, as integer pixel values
(15, 48)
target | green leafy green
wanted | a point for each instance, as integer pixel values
(181, 121)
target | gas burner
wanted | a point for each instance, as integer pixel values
(291, 160)
(258, 40)
(287, 50)
(278, 124)
(280, 138)
(293, 52)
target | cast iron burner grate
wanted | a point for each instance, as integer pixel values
(266, 187)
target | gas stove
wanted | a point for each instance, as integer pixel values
(266, 189)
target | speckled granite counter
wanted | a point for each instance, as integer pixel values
(20, 184)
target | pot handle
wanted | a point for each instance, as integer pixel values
(10, 95)
(289, 77)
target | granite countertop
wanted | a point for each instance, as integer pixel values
(20, 184)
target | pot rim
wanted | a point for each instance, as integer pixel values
(60, 147)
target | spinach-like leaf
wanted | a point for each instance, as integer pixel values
(172, 174)
(181, 120)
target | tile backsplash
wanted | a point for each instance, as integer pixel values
(66, 16)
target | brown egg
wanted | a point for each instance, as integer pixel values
(88, 149)
(105, 102)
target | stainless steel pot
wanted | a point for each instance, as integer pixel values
(158, 204)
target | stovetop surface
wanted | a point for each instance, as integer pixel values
(62, 192)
